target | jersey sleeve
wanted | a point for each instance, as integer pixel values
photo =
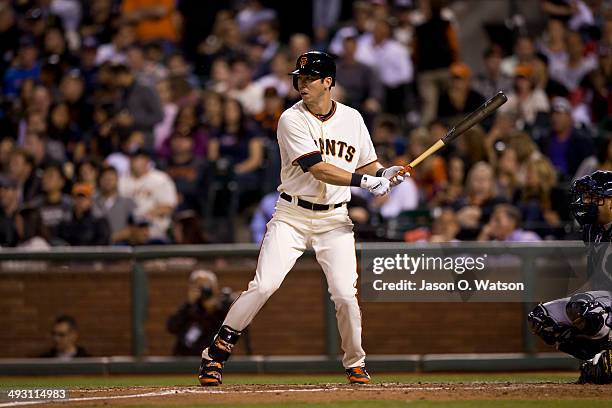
(367, 154)
(294, 137)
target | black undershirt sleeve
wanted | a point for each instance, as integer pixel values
(310, 160)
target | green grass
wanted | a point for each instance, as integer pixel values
(181, 380)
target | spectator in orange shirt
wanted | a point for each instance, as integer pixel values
(155, 20)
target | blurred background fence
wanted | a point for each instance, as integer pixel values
(122, 298)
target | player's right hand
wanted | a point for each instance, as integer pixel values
(378, 186)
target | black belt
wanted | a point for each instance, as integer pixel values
(311, 206)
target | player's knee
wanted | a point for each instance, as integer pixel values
(266, 289)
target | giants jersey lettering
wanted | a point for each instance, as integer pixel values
(342, 139)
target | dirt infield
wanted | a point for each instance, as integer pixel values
(241, 394)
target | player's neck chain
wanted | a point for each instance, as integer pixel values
(324, 116)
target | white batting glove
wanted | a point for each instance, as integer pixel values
(378, 186)
(392, 174)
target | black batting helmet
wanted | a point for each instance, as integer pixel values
(316, 63)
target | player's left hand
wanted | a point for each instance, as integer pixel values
(392, 174)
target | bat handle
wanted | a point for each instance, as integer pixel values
(406, 170)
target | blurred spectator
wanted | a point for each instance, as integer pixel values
(598, 86)
(391, 63)
(23, 67)
(542, 79)
(85, 226)
(362, 89)
(53, 205)
(237, 147)
(263, 214)
(185, 170)
(178, 67)
(197, 320)
(115, 52)
(9, 36)
(153, 19)
(9, 204)
(139, 107)
(146, 71)
(360, 23)
(571, 71)
(87, 172)
(505, 225)
(431, 175)
(526, 101)
(163, 129)
(153, 193)
(138, 233)
(115, 207)
(451, 191)
(278, 78)
(187, 228)
(566, 146)
(243, 89)
(460, 99)
(445, 227)
(524, 53)
(251, 14)
(188, 123)
(267, 119)
(325, 15)
(65, 337)
(436, 47)
(475, 207)
(541, 204)
(554, 44)
(22, 168)
(492, 80)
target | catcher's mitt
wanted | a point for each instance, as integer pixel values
(598, 370)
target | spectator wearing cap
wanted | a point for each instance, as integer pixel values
(565, 145)
(87, 62)
(459, 99)
(115, 207)
(153, 192)
(25, 66)
(9, 203)
(390, 62)
(362, 88)
(505, 226)
(526, 101)
(84, 227)
(53, 205)
(139, 107)
(492, 80)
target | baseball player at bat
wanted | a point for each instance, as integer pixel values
(325, 149)
(580, 325)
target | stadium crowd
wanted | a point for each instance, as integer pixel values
(131, 122)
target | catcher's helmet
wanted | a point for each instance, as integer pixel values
(316, 63)
(588, 193)
(587, 315)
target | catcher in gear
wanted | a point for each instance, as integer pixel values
(580, 325)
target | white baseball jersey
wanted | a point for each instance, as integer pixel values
(342, 139)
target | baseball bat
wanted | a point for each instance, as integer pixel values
(460, 128)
